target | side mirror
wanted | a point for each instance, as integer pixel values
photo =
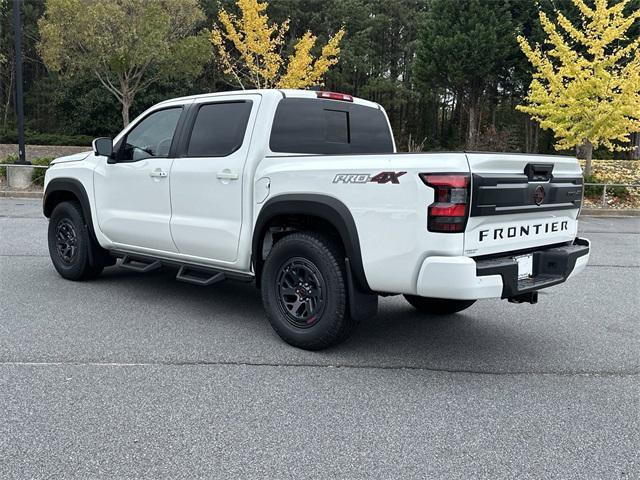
(103, 146)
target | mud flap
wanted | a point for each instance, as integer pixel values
(361, 305)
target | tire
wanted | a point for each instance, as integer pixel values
(304, 292)
(438, 306)
(69, 244)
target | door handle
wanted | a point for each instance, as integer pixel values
(227, 174)
(158, 173)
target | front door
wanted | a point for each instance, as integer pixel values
(132, 195)
(206, 182)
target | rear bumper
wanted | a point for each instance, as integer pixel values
(467, 279)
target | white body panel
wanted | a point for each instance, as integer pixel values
(133, 207)
(545, 228)
(80, 168)
(519, 231)
(194, 216)
(391, 219)
(207, 199)
(455, 277)
(581, 263)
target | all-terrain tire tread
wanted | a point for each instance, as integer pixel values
(344, 325)
(88, 271)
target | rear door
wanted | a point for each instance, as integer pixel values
(520, 202)
(206, 178)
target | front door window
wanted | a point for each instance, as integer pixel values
(152, 137)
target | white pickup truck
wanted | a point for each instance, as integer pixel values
(303, 192)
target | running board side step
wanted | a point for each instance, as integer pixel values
(199, 277)
(140, 265)
(192, 273)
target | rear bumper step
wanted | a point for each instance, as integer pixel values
(551, 266)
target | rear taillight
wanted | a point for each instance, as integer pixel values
(449, 210)
(335, 96)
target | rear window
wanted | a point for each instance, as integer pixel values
(219, 129)
(309, 125)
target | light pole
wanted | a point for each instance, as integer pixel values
(17, 29)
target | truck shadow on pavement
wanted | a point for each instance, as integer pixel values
(398, 336)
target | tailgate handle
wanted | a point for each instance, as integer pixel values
(538, 172)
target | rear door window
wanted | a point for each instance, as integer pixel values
(219, 129)
(318, 126)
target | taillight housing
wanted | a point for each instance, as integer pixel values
(449, 211)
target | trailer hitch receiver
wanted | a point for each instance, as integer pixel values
(529, 297)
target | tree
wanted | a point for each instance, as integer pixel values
(126, 44)
(250, 50)
(586, 86)
(465, 47)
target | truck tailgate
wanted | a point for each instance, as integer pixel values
(520, 202)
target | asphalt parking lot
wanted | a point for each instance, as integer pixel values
(140, 376)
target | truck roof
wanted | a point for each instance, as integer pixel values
(284, 93)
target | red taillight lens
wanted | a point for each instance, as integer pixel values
(448, 212)
(446, 180)
(335, 96)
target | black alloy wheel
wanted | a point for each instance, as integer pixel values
(304, 291)
(74, 254)
(301, 292)
(66, 241)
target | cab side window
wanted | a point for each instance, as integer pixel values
(152, 137)
(327, 127)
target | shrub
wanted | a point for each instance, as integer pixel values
(593, 190)
(621, 193)
(34, 138)
(9, 160)
(37, 177)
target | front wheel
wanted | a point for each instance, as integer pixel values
(69, 243)
(304, 292)
(438, 306)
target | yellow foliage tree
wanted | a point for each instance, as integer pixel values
(250, 50)
(586, 86)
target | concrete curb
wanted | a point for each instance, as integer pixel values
(610, 212)
(20, 194)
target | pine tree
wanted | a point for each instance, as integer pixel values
(465, 46)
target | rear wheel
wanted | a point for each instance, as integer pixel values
(304, 292)
(69, 244)
(438, 306)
